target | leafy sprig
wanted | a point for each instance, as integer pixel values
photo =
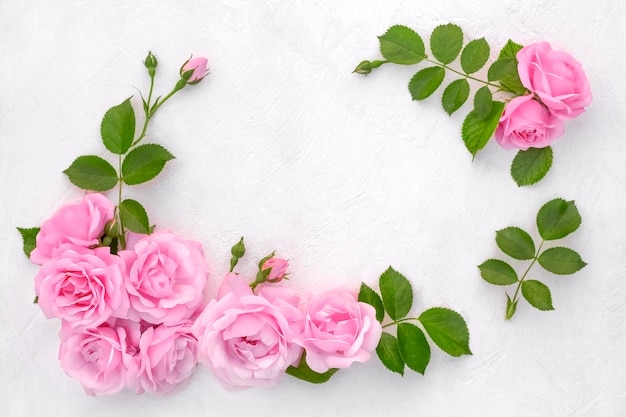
(555, 220)
(136, 163)
(409, 347)
(449, 53)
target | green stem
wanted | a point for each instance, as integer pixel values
(519, 284)
(446, 67)
(122, 239)
(152, 110)
(395, 322)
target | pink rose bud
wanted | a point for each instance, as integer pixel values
(277, 269)
(194, 70)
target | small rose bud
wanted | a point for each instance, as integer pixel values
(277, 269)
(194, 70)
(151, 63)
(112, 228)
(365, 67)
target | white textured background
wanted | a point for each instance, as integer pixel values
(342, 174)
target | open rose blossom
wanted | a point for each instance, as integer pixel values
(84, 287)
(99, 357)
(556, 77)
(247, 339)
(526, 123)
(80, 224)
(338, 330)
(166, 358)
(167, 275)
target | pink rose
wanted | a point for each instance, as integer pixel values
(525, 124)
(277, 269)
(98, 357)
(80, 224)
(198, 66)
(556, 77)
(166, 278)
(338, 330)
(82, 286)
(247, 339)
(166, 358)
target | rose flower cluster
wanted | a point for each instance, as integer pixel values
(137, 318)
(126, 317)
(559, 90)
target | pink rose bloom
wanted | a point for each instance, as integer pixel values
(167, 275)
(98, 357)
(338, 330)
(278, 269)
(199, 67)
(556, 77)
(166, 358)
(526, 123)
(80, 224)
(247, 339)
(84, 287)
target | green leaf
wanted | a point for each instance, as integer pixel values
(530, 166)
(134, 217)
(446, 42)
(504, 69)
(91, 172)
(413, 347)
(510, 308)
(29, 238)
(476, 132)
(388, 352)
(510, 50)
(474, 55)
(501, 68)
(447, 329)
(482, 102)
(144, 163)
(557, 219)
(401, 45)
(537, 294)
(516, 243)
(497, 272)
(455, 95)
(369, 296)
(425, 82)
(561, 261)
(118, 128)
(397, 293)
(305, 373)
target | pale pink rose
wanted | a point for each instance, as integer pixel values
(278, 269)
(84, 287)
(166, 278)
(526, 123)
(247, 339)
(167, 357)
(556, 77)
(199, 67)
(80, 224)
(338, 330)
(99, 357)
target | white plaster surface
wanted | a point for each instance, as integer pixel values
(342, 174)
